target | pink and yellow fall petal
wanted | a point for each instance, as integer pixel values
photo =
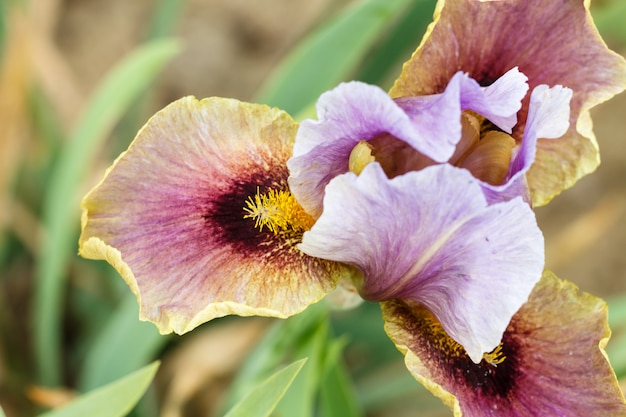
(551, 360)
(553, 43)
(170, 216)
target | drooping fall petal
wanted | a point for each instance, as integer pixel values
(429, 236)
(551, 361)
(552, 42)
(169, 216)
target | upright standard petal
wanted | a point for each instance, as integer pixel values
(431, 125)
(181, 213)
(348, 114)
(430, 237)
(437, 118)
(552, 42)
(548, 118)
(551, 361)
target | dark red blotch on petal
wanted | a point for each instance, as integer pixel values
(554, 365)
(431, 344)
(224, 213)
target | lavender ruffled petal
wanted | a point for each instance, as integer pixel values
(429, 236)
(347, 114)
(548, 118)
(437, 118)
(356, 111)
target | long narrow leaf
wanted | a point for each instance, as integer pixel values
(2, 28)
(399, 386)
(261, 401)
(123, 345)
(60, 210)
(383, 65)
(617, 311)
(300, 400)
(337, 393)
(329, 55)
(276, 347)
(113, 400)
(166, 15)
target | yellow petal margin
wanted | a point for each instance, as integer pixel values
(169, 216)
(551, 360)
(552, 42)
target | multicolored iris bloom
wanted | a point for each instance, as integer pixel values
(420, 199)
(414, 193)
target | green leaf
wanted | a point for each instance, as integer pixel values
(615, 351)
(303, 393)
(617, 344)
(617, 311)
(60, 208)
(124, 344)
(364, 326)
(276, 347)
(337, 393)
(261, 401)
(166, 15)
(609, 19)
(2, 29)
(399, 387)
(114, 400)
(383, 65)
(329, 55)
(2, 412)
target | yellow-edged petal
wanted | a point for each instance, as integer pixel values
(552, 42)
(551, 360)
(170, 215)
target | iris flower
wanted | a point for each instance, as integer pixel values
(199, 219)
(421, 230)
(421, 199)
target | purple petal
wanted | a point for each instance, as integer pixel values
(169, 216)
(552, 360)
(429, 236)
(347, 114)
(548, 118)
(437, 118)
(356, 111)
(502, 100)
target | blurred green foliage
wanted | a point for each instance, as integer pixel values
(116, 399)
